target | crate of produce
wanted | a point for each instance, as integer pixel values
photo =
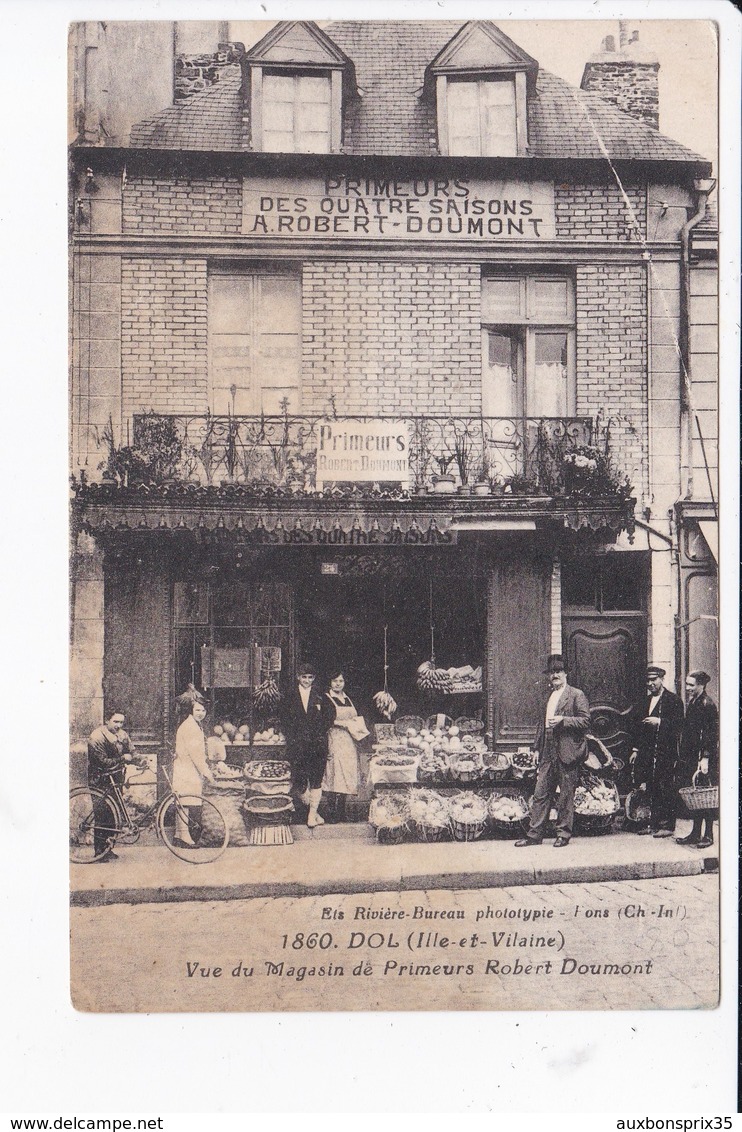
(430, 815)
(392, 766)
(507, 811)
(468, 815)
(389, 816)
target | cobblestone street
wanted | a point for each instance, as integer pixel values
(604, 945)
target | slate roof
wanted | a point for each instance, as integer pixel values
(392, 118)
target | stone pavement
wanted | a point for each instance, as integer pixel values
(347, 859)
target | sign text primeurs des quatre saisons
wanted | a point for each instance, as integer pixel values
(385, 207)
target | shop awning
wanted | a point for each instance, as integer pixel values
(710, 531)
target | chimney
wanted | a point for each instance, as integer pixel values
(627, 77)
(198, 71)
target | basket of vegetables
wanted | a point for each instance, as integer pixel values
(268, 776)
(392, 766)
(466, 767)
(507, 810)
(407, 723)
(596, 804)
(469, 726)
(389, 815)
(433, 767)
(468, 815)
(496, 765)
(429, 815)
(524, 762)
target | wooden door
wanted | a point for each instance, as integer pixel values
(606, 656)
(518, 634)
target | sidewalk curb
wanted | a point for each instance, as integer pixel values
(577, 873)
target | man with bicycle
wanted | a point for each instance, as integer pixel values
(109, 750)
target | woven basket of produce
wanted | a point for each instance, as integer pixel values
(429, 815)
(268, 776)
(389, 815)
(507, 811)
(469, 726)
(523, 763)
(229, 799)
(468, 815)
(392, 766)
(496, 765)
(433, 767)
(439, 722)
(466, 767)
(596, 804)
(407, 723)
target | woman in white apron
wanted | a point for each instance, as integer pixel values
(190, 768)
(341, 773)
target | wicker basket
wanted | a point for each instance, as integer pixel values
(439, 720)
(403, 772)
(497, 765)
(508, 828)
(429, 833)
(402, 725)
(637, 807)
(700, 797)
(392, 835)
(469, 726)
(269, 808)
(469, 773)
(468, 828)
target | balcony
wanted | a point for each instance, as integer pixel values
(395, 458)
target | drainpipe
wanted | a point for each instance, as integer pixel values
(703, 187)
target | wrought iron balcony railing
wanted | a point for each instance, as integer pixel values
(285, 453)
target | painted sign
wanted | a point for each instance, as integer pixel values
(391, 208)
(362, 451)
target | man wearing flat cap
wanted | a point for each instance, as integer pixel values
(562, 748)
(699, 754)
(658, 721)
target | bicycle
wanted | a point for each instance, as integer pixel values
(100, 817)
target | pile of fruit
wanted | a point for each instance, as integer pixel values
(385, 704)
(224, 770)
(443, 740)
(269, 737)
(468, 808)
(266, 696)
(228, 733)
(524, 760)
(429, 809)
(268, 768)
(447, 681)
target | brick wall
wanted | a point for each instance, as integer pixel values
(599, 212)
(187, 207)
(611, 358)
(164, 335)
(392, 337)
(631, 86)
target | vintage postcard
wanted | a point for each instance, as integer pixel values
(393, 437)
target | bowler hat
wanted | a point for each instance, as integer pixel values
(655, 670)
(555, 663)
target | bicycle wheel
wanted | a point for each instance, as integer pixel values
(95, 824)
(199, 820)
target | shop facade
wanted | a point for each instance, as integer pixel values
(383, 353)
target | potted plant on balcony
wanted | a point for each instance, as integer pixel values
(445, 482)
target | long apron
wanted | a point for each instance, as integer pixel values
(341, 773)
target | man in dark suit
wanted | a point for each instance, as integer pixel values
(654, 757)
(307, 717)
(562, 747)
(699, 754)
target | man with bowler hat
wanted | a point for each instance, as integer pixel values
(654, 757)
(562, 747)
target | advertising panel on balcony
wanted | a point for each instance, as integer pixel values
(363, 451)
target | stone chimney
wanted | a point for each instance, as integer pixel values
(627, 76)
(195, 72)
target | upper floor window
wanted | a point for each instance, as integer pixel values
(482, 118)
(296, 113)
(528, 344)
(254, 340)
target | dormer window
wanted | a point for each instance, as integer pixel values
(482, 118)
(297, 113)
(482, 82)
(298, 81)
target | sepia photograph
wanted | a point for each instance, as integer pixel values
(394, 419)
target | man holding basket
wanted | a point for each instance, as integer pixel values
(698, 764)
